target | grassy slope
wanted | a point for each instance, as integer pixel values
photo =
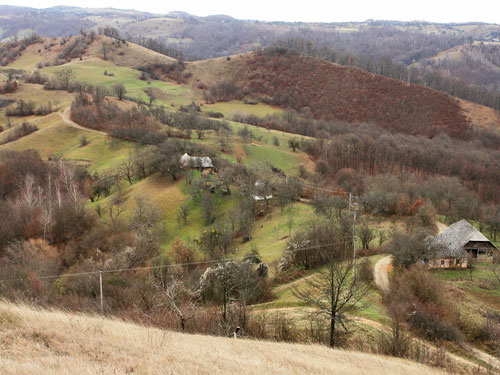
(34, 341)
(371, 307)
(477, 295)
(27, 61)
(92, 71)
(271, 232)
(237, 106)
(56, 137)
(36, 94)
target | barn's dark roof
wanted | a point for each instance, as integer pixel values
(455, 237)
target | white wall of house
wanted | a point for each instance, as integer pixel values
(448, 263)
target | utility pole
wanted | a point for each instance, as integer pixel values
(354, 242)
(353, 209)
(100, 284)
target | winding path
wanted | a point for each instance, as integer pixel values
(66, 117)
(380, 274)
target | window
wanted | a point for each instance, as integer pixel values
(442, 262)
(459, 261)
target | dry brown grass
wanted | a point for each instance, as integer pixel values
(35, 341)
(130, 55)
(212, 71)
(480, 115)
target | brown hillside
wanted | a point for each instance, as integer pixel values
(126, 54)
(334, 92)
(211, 71)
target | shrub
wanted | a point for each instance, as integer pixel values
(8, 87)
(23, 108)
(215, 114)
(424, 304)
(365, 270)
(45, 109)
(432, 328)
(35, 77)
(83, 141)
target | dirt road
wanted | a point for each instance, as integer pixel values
(380, 273)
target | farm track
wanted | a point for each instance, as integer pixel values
(380, 273)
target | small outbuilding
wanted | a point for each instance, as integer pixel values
(459, 243)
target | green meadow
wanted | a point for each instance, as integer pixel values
(93, 72)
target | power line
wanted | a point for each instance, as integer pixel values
(351, 196)
(211, 261)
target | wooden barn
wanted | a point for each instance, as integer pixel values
(195, 162)
(460, 242)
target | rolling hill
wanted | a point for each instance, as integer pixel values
(336, 93)
(315, 87)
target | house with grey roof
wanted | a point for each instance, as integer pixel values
(196, 162)
(459, 243)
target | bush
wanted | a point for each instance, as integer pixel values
(223, 91)
(423, 303)
(365, 271)
(35, 77)
(23, 108)
(83, 141)
(215, 114)
(45, 109)
(433, 328)
(8, 87)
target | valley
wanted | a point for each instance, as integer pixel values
(314, 169)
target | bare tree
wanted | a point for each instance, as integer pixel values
(115, 208)
(246, 280)
(495, 270)
(152, 95)
(119, 90)
(223, 138)
(181, 301)
(183, 213)
(208, 207)
(64, 76)
(128, 169)
(366, 235)
(396, 343)
(333, 291)
(293, 144)
(104, 51)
